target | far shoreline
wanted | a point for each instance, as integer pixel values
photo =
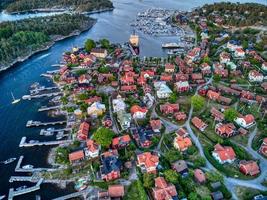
(47, 47)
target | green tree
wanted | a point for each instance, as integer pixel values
(217, 78)
(89, 45)
(148, 180)
(171, 176)
(213, 176)
(230, 114)
(103, 136)
(199, 162)
(206, 59)
(173, 155)
(105, 43)
(193, 196)
(173, 98)
(198, 102)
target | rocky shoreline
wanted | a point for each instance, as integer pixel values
(47, 47)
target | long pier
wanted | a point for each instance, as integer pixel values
(13, 193)
(75, 194)
(48, 108)
(31, 179)
(37, 143)
(52, 131)
(29, 97)
(19, 169)
(32, 123)
(42, 89)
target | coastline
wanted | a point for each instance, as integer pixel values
(60, 10)
(47, 47)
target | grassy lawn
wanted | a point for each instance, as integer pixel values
(241, 139)
(202, 191)
(245, 193)
(82, 170)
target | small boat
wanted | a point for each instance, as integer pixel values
(21, 188)
(27, 167)
(10, 160)
(14, 100)
(83, 188)
(2, 197)
(33, 141)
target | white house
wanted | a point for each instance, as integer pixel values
(223, 154)
(246, 121)
(224, 57)
(124, 119)
(255, 76)
(239, 53)
(232, 45)
(92, 149)
(231, 65)
(138, 112)
(264, 66)
(163, 91)
(118, 104)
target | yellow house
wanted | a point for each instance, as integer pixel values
(99, 52)
(96, 109)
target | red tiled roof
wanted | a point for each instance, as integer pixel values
(213, 95)
(93, 99)
(137, 108)
(77, 155)
(162, 190)
(122, 139)
(183, 142)
(182, 132)
(83, 131)
(198, 123)
(249, 119)
(155, 124)
(148, 159)
(199, 175)
(116, 191)
(224, 152)
(249, 167)
(92, 146)
(128, 88)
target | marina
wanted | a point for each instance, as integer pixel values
(29, 168)
(23, 142)
(32, 123)
(45, 108)
(29, 97)
(13, 193)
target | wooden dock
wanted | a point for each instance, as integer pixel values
(29, 97)
(13, 193)
(52, 131)
(83, 193)
(31, 170)
(32, 123)
(43, 89)
(48, 108)
(23, 143)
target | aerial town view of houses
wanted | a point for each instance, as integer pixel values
(192, 125)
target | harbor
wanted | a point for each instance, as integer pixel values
(32, 123)
(30, 169)
(13, 193)
(33, 143)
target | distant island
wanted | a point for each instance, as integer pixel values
(21, 39)
(236, 14)
(17, 6)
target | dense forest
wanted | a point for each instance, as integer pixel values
(77, 5)
(236, 14)
(21, 38)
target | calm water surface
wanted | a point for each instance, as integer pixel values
(112, 25)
